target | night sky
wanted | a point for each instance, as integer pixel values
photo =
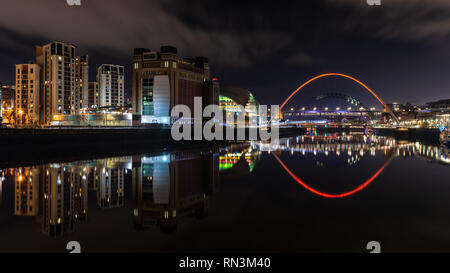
(400, 49)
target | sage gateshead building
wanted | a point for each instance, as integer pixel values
(161, 79)
(231, 98)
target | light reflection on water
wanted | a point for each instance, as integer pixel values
(159, 193)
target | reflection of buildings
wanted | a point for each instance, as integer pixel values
(2, 178)
(93, 177)
(354, 147)
(26, 185)
(106, 176)
(63, 199)
(230, 159)
(110, 193)
(169, 187)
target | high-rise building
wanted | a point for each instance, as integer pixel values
(92, 101)
(80, 99)
(27, 103)
(163, 79)
(110, 79)
(58, 84)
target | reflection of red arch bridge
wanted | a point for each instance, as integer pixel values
(328, 195)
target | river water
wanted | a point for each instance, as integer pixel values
(312, 193)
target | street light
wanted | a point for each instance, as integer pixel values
(20, 113)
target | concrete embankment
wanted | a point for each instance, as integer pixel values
(427, 135)
(74, 143)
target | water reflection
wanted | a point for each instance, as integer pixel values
(167, 188)
(354, 147)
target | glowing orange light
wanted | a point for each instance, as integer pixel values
(327, 195)
(339, 75)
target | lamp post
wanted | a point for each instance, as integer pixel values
(20, 114)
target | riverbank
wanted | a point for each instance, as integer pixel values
(41, 145)
(427, 135)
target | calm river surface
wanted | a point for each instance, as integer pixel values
(323, 193)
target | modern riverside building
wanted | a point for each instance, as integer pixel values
(27, 102)
(80, 99)
(58, 81)
(231, 97)
(8, 94)
(92, 99)
(162, 80)
(110, 79)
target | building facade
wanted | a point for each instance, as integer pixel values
(110, 79)
(162, 80)
(7, 103)
(27, 102)
(92, 99)
(80, 99)
(58, 81)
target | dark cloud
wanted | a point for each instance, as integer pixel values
(300, 59)
(409, 19)
(266, 46)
